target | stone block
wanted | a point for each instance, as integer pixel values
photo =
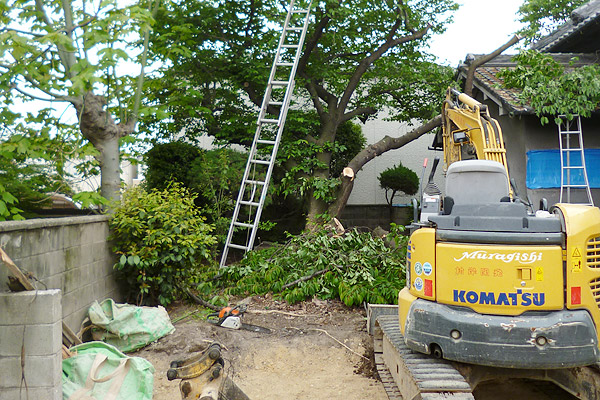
(40, 339)
(49, 393)
(40, 371)
(11, 243)
(30, 307)
(87, 254)
(73, 280)
(75, 319)
(54, 262)
(93, 233)
(72, 257)
(102, 251)
(55, 281)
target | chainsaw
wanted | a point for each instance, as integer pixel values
(231, 317)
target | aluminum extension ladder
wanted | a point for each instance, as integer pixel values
(270, 123)
(572, 161)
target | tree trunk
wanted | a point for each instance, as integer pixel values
(317, 207)
(370, 152)
(103, 132)
(110, 169)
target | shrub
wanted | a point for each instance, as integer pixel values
(398, 179)
(162, 240)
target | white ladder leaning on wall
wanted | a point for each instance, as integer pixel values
(572, 161)
(270, 123)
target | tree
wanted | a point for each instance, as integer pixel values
(541, 17)
(360, 57)
(547, 86)
(398, 179)
(551, 89)
(63, 52)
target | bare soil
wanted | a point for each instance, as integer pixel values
(316, 349)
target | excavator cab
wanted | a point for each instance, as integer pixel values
(475, 182)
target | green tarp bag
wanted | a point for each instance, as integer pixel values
(126, 326)
(99, 371)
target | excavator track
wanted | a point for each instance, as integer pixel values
(419, 376)
(408, 375)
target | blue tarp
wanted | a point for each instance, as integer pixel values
(543, 168)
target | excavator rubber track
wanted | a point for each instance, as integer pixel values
(420, 376)
(408, 375)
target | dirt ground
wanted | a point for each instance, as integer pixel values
(316, 349)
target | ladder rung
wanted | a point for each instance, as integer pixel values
(285, 64)
(289, 46)
(276, 103)
(299, 11)
(263, 162)
(263, 141)
(251, 182)
(249, 203)
(573, 149)
(237, 246)
(280, 83)
(575, 186)
(570, 132)
(294, 28)
(573, 167)
(243, 225)
(269, 121)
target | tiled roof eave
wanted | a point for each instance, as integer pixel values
(492, 93)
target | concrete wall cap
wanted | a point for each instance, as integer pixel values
(9, 226)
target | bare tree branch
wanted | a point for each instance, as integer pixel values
(32, 96)
(364, 65)
(358, 111)
(370, 152)
(140, 79)
(22, 32)
(482, 60)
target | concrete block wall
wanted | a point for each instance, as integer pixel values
(374, 215)
(31, 325)
(71, 254)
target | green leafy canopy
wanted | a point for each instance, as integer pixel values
(551, 89)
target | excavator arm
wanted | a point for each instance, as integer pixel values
(468, 131)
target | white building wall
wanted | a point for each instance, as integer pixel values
(366, 187)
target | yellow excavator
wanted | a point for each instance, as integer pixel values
(498, 289)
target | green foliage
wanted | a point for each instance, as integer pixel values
(213, 176)
(32, 165)
(398, 179)
(216, 176)
(162, 240)
(301, 161)
(552, 89)
(350, 141)
(355, 267)
(541, 17)
(169, 162)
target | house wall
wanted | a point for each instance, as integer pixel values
(523, 133)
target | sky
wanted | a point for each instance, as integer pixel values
(479, 27)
